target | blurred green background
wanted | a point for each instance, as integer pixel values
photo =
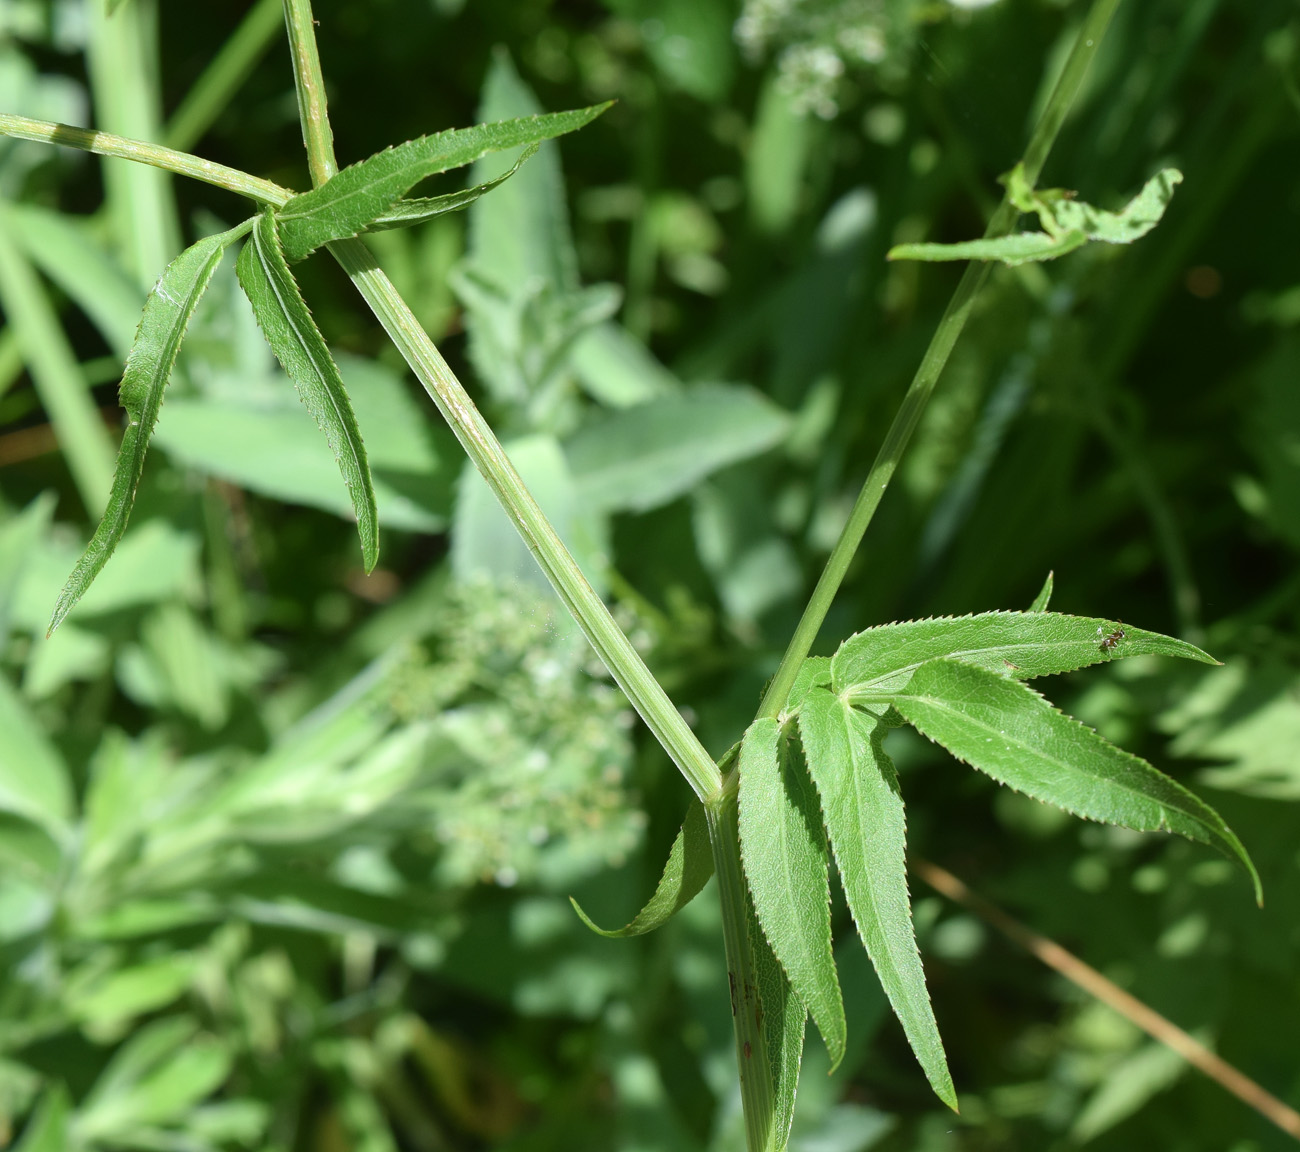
(285, 849)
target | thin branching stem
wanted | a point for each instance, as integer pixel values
(183, 163)
(932, 364)
(483, 448)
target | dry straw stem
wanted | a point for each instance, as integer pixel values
(1130, 1007)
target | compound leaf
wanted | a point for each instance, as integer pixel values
(784, 851)
(351, 200)
(688, 868)
(865, 820)
(1007, 730)
(1017, 644)
(166, 315)
(297, 343)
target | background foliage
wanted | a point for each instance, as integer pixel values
(285, 849)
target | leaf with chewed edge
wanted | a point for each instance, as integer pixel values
(783, 847)
(417, 209)
(166, 315)
(865, 820)
(1008, 731)
(689, 866)
(297, 343)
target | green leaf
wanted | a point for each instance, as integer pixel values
(1007, 730)
(256, 435)
(643, 457)
(167, 312)
(47, 1130)
(1044, 596)
(158, 1076)
(1132, 222)
(287, 324)
(34, 780)
(689, 866)
(1020, 248)
(864, 817)
(814, 672)
(781, 1020)
(1068, 223)
(351, 200)
(1018, 644)
(407, 212)
(784, 851)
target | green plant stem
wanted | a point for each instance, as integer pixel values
(742, 975)
(932, 364)
(182, 163)
(221, 79)
(310, 84)
(483, 448)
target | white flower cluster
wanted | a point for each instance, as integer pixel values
(817, 42)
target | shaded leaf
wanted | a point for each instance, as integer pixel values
(353, 198)
(416, 210)
(269, 444)
(167, 312)
(34, 780)
(642, 457)
(287, 324)
(784, 852)
(1019, 644)
(865, 820)
(1007, 730)
(687, 870)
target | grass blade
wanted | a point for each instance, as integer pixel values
(1008, 731)
(784, 851)
(167, 312)
(1018, 644)
(298, 345)
(354, 198)
(865, 820)
(687, 870)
